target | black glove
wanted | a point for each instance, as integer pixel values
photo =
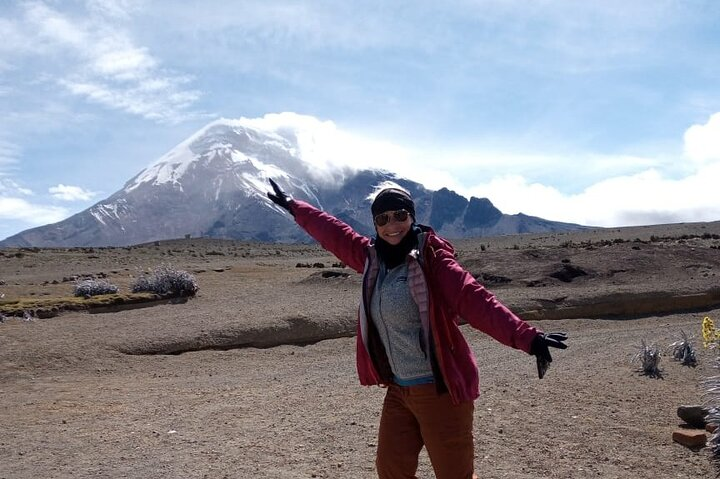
(540, 349)
(280, 198)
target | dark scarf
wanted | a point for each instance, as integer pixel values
(393, 256)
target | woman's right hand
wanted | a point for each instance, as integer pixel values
(280, 198)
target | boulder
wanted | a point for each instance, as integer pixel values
(693, 415)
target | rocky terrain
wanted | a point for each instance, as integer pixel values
(254, 377)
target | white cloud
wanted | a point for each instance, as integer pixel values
(644, 198)
(702, 142)
(328, 151)
(16, 212)
(30, 213)
(71, 193)
(118, 9)
(142, 99)
(469, 166)
(558, 36)
(639, 192)
(54, 27)
(14, 41)
(9, 154)
(127, 63)
(95, 57)
(307, 25)
(8, 187)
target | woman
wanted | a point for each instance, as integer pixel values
(413, 296)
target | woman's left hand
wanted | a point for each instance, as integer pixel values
(540, 348)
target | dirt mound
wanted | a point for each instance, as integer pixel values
(299, 331)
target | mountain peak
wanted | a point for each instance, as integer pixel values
(223, 143)
(215, 183)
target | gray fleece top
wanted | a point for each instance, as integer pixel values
(397, 319)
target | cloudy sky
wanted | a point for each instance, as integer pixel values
(599, 112)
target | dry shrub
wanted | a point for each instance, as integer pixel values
(94, 287)
(684, 351)
(649, 358)
(167, 281)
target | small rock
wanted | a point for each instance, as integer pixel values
(690, 437)
(693, 415)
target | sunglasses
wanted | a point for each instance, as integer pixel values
(384, 218)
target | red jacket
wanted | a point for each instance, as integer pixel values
(444, 292)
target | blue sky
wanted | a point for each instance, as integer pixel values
(596, 112)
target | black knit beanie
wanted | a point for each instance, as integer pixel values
(391, 199)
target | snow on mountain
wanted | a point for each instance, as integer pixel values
(215, 183)
(222, 139)
(110, 211)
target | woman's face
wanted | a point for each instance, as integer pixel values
(395, 225)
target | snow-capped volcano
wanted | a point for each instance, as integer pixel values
(239, 157)
(214, 184)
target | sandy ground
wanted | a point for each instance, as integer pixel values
(97, 395)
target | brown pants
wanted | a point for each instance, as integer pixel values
(416, 416)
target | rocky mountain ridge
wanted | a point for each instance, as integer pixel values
(214, 185)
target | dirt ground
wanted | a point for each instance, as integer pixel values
(255, 377)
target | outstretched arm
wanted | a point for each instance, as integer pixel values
(476, 305)
(482, 310)
(334, 235)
